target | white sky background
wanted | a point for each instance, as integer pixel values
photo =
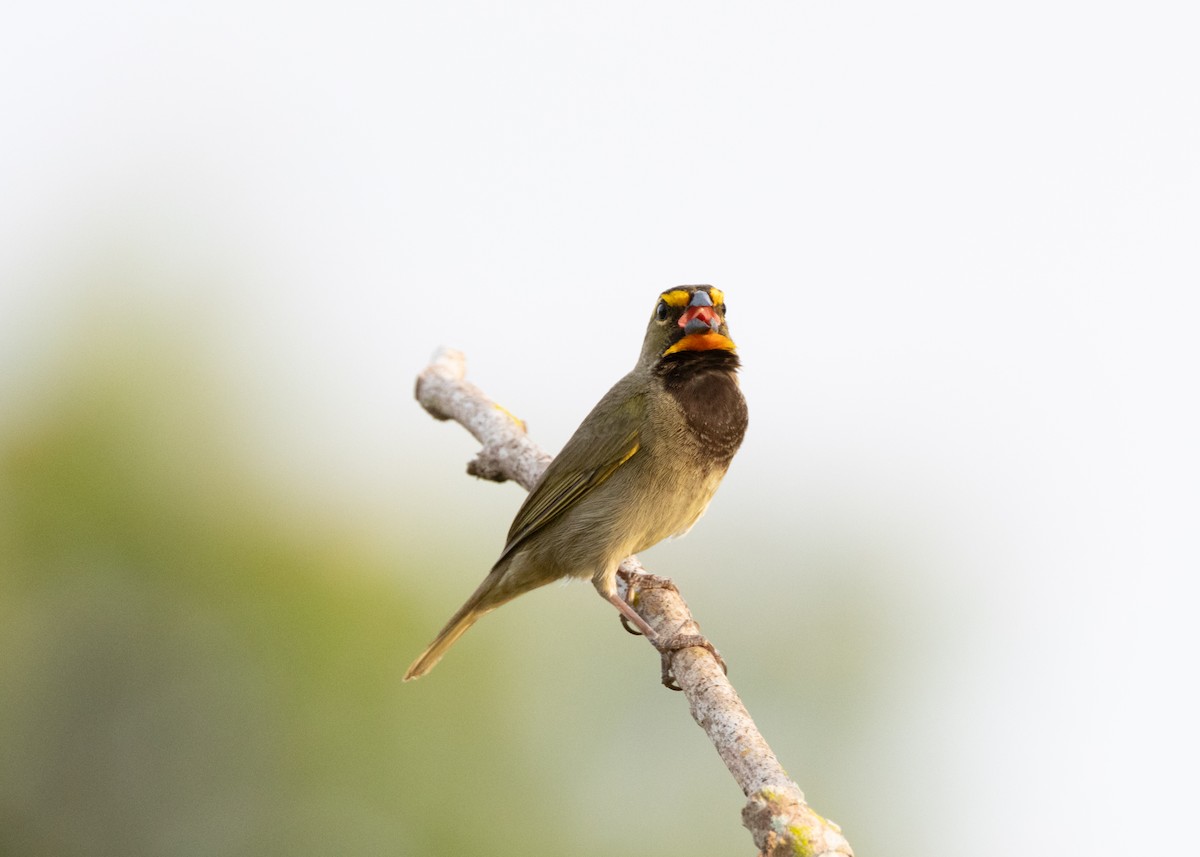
(958, 243)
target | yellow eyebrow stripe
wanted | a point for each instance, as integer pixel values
(683, 297)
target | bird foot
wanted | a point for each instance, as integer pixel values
(641, 580)
(635, 624)
(678, 643)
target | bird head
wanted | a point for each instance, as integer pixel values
(687, 319)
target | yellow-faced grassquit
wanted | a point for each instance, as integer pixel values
(642, 466)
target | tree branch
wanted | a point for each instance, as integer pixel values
(775, 813)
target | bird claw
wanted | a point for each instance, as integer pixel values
(625, 624)
(677, 644)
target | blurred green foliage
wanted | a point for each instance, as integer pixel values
(186, 672)
(182, 673)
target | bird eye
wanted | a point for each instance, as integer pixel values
(661, 312)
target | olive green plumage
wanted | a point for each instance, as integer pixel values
(641, 467)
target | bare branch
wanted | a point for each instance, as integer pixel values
(775, 813)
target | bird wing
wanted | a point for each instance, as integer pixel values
(606, 439)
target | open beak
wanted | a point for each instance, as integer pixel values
(700, 317)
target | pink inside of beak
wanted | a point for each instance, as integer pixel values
(705, 313)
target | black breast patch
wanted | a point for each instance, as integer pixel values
(705, 386)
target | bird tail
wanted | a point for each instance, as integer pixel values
(455, 628)
(497, 588)
(486, 598)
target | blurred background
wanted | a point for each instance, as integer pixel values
(952, 569)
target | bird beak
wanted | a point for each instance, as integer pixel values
(700, 317)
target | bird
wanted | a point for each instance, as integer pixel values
(642, 467)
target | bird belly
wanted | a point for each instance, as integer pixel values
(668, 509)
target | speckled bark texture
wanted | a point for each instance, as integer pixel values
(775, 813)
(507, 452)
